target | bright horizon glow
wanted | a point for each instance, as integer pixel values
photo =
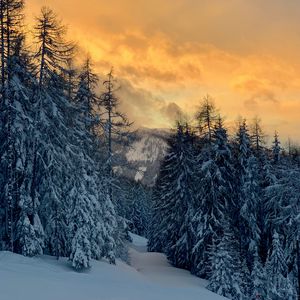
(169, 54)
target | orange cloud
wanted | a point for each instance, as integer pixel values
(168, 54)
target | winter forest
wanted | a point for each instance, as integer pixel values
(225, 204)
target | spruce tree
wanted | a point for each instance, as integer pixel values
(158, 233)
(11, 17)
(249, 209)
(103, 226)
(81, 226)
(174, 201)
(279, 286)
(214, 197)
(224, 279)
(114, 130)
(283, 200)
(138, 208)
(86, 98)
(242, 153)
(180, 199)
(52, 147)
(259, 279)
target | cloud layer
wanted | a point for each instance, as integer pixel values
(169, 54)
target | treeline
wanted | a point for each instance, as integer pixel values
(133, 201)
(56, 146)
(228, 209)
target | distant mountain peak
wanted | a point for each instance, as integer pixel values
(144, 154)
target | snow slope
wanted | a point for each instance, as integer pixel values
(141, 159)
(149, 278)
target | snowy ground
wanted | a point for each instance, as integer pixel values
(149, 278)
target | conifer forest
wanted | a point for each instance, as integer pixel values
(223, 204)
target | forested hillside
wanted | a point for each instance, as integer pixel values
(227, 208)
(57, 143)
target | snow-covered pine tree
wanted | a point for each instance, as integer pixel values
(81, 223)
(24, 229)
(29, 236)
(259, 279)
(80, 251)
(242, 147)
(249, 209)
(158, 234)
(133, 204)
(224, 276)
(115, 125)
(139, 209)
(244, 277)
(279, 285)
(242, 153)
(215, 191)
(173, 199)
(115, 128)
(86, 97)
(265, 177)
(52, 155)
(103, 217)
(114, 232)
(180, 199)
(283, 200)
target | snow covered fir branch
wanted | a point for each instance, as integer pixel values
(225, 207)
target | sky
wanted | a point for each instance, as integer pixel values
(169, 54)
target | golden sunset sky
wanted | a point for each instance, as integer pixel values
(168, 54)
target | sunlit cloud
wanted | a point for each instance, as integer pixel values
(168, 54)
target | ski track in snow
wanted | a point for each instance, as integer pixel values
(150, 277)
